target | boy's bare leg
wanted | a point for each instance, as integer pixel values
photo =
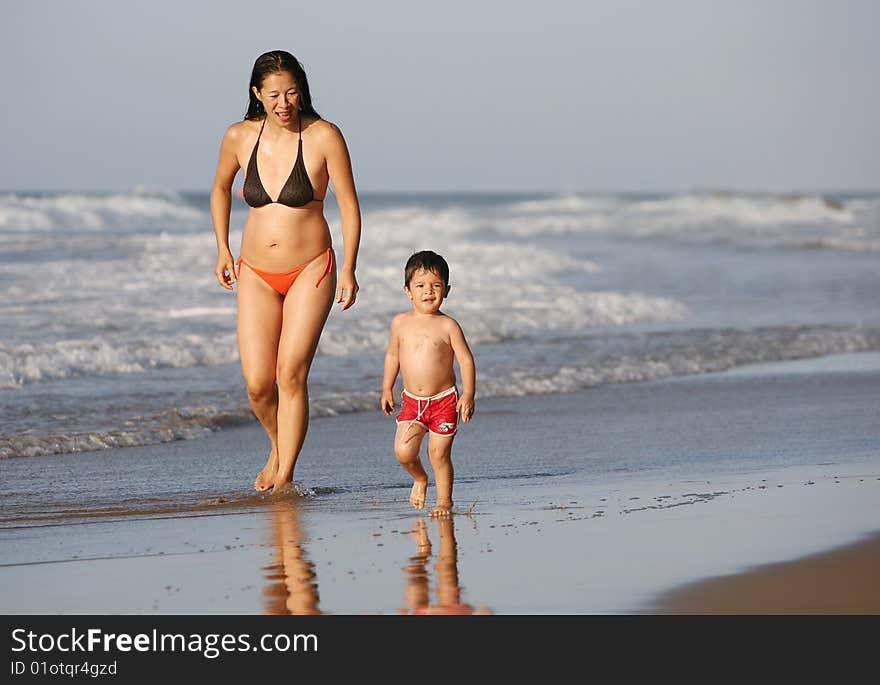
(448, 589)
(415, 591)
(440, 454)
(407, 442)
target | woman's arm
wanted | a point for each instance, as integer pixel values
(339, 171)
(221, 205)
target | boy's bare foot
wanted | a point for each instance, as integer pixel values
(266, 477)
(417, 494)
(420, 535)
(442, 510)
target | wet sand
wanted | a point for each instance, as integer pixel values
(619, 500)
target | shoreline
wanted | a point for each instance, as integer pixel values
(611, 501)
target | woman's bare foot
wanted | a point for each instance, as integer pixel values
(283, 486)
(417, 494)
(266, 477)
(282, 490)
(442, 510)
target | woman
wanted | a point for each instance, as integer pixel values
(286, 272)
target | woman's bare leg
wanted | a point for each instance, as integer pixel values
(259, 329)
(305, 312)
(295, 587)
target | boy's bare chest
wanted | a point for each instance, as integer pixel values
(423, 341)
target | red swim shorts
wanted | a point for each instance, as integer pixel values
(438, 413)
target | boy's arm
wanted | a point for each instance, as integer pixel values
(392, 366)
(468, 372)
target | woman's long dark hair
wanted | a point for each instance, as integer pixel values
(275, 62)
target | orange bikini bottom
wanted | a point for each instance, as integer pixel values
(281, 283)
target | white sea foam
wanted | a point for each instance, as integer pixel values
(144, 433)
(28, 213)
(562, 204)
(155, 304)
(689, 353)
(499, 291)
(196, 312)
(851, 244)
(98, 287)
(753, 220)
(33, 362)
(708, 352)
(759, 211)
(151, 301)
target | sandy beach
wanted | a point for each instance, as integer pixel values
(840, 581)
(750, 491)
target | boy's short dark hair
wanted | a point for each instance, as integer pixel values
(429, 261)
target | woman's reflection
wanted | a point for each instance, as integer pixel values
(293, 587)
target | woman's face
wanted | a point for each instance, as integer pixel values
(280, 97)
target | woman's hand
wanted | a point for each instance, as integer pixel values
(225, 270)
(346, 288)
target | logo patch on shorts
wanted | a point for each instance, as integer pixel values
(445, 427)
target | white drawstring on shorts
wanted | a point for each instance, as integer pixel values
(421, 409)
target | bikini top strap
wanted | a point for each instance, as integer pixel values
(261, 128)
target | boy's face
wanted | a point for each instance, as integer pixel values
(426, 290)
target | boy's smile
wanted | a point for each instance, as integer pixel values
(427, 291)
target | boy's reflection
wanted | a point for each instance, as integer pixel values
(293, 587)
(416, 591)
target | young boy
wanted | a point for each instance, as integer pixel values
(423, 344)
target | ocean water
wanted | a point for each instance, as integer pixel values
(115, 332)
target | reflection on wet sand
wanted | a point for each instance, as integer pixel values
(416, 589)
(293, 586)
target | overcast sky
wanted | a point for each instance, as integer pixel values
(606, 95)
